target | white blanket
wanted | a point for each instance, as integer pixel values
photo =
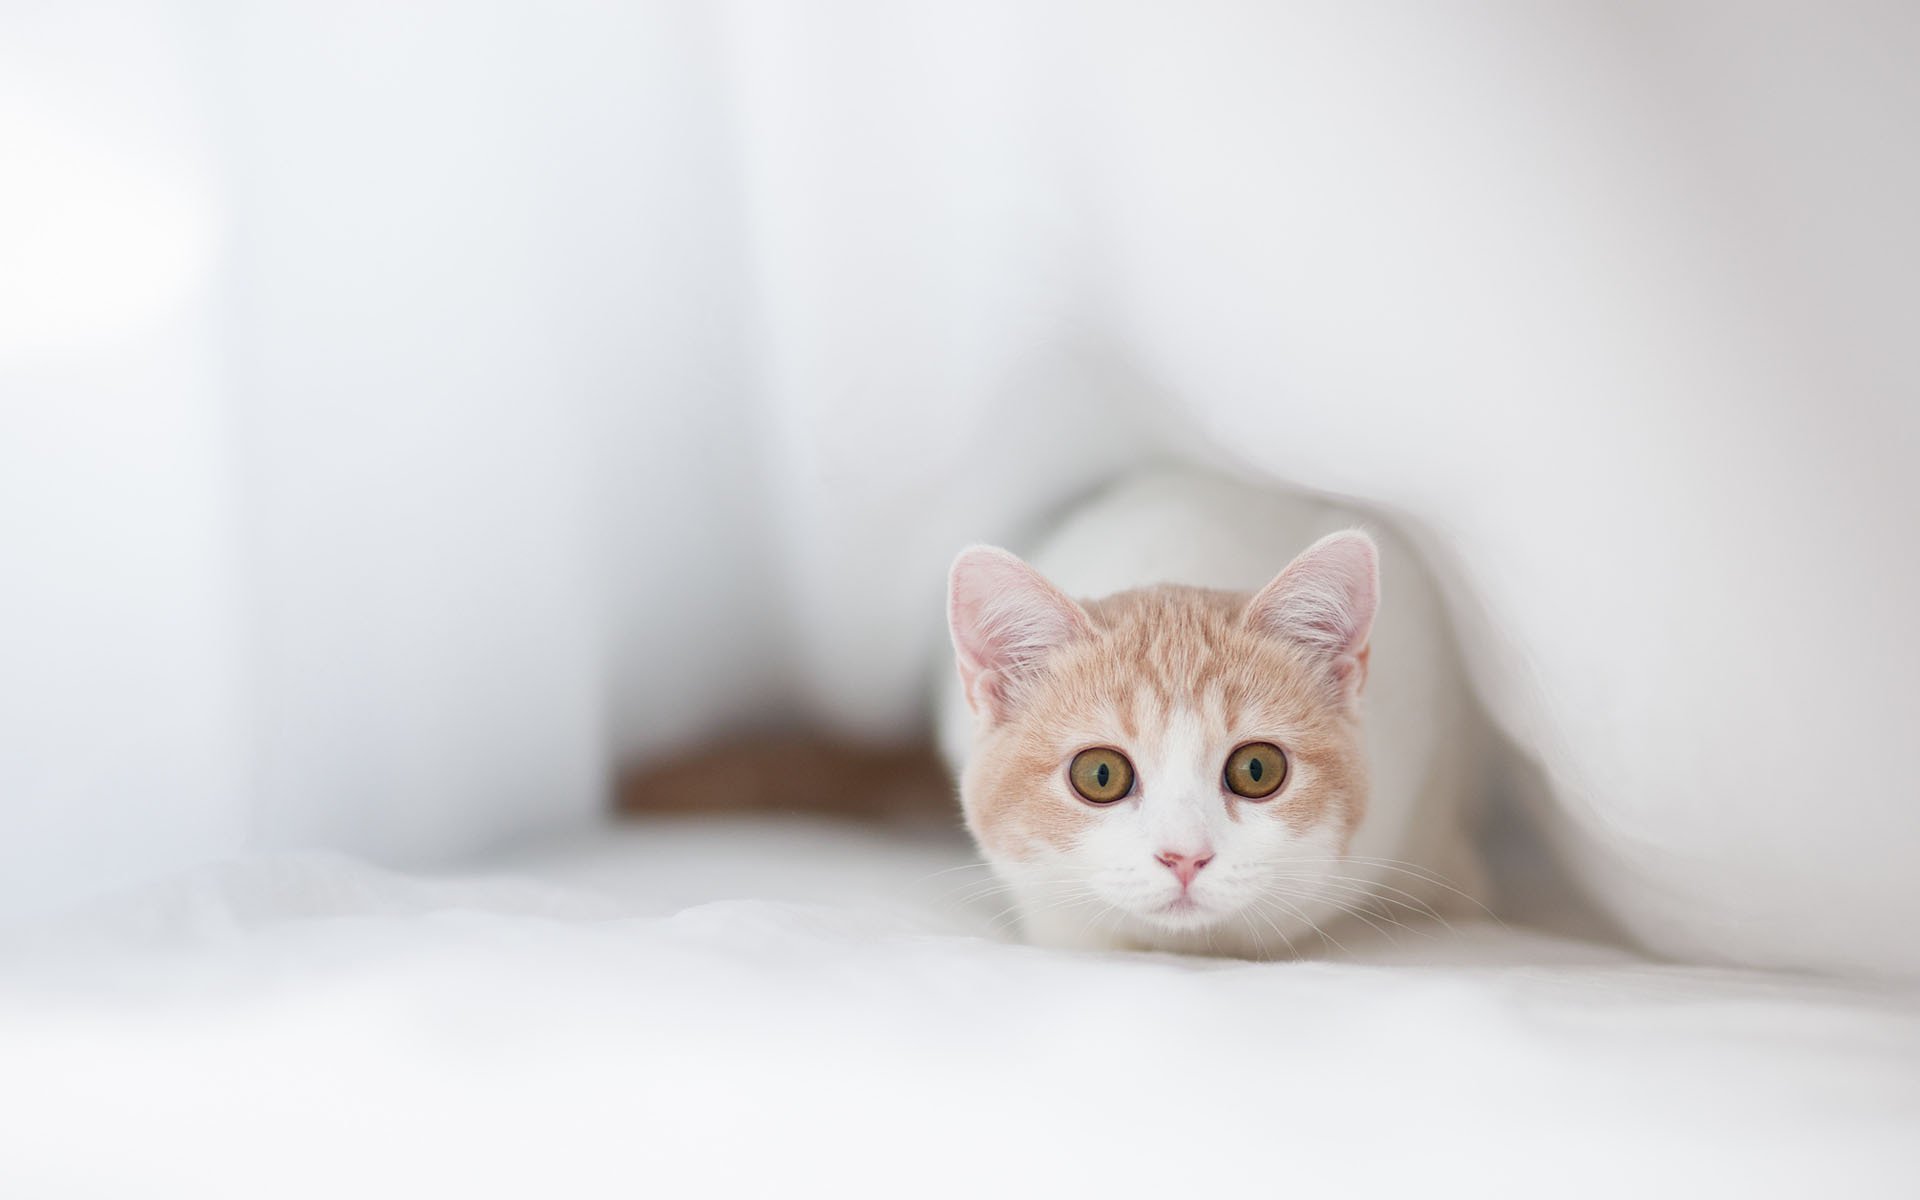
(805, 1009)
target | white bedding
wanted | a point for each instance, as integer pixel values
(803, 1009)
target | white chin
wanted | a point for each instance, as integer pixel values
(1191, 915)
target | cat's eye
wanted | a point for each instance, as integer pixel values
(1101, 775)
(1256, 770)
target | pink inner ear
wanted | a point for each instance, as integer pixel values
(1005, 618)
(1325, 600)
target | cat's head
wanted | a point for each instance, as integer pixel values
(1179, 757)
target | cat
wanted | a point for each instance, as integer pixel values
(1291, 751)
(1251, 730)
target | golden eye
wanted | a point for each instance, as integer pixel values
(1101, 775)
(1256, 770)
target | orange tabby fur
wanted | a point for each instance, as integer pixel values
(1154, 651)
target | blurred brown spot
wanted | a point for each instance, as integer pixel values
(795, 773)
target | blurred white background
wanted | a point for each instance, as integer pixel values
(408, 412)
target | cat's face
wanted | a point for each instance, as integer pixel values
(1170, 758)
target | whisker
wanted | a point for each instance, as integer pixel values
(1347, 906)
(1407, 899)
(968, 866)
(1292, 950)
(1081, 896)
(1406, 867)
(1310, 922)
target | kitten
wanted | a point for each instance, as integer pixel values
(1227, 763)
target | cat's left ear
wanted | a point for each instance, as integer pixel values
(1324, 602)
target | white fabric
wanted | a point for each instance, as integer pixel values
(804, 1011)
(410, 410)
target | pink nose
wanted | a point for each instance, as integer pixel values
(1184, 866)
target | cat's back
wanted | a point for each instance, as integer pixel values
(1182, 526)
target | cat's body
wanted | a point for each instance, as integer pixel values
(1364, 706)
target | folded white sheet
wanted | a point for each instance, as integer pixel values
(802, 1009)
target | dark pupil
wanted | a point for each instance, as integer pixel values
(1256, 769)
(1102, 773)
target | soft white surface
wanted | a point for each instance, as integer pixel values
(406, 410)
(812, 1010)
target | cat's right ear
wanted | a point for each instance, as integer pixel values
(1005, 618)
